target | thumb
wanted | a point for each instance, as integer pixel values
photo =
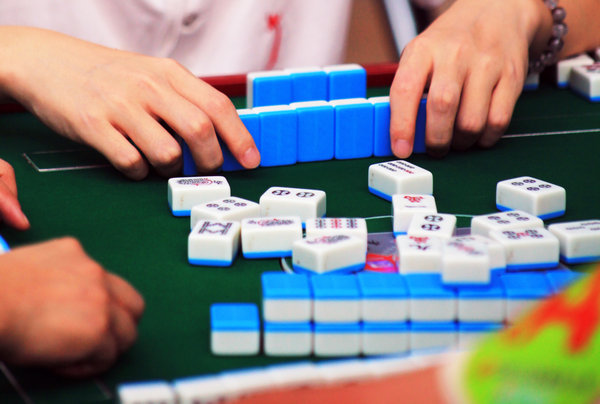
(10, 209)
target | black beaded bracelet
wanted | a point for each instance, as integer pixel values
(555, 43)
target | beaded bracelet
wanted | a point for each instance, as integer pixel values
(556, 43)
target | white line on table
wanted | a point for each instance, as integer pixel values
(103, 388)
(13, 381)
(55, 169)
(379, 217)
(560, 132)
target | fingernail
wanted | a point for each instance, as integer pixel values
(402, 148)
(251, 158)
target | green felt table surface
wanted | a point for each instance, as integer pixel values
(128, 228)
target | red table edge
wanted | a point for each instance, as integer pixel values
(378, 75)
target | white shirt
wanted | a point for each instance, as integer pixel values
(208, 37)
(212, 37)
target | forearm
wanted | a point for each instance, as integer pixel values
(582, 20)
(582, 17)
(9, 40)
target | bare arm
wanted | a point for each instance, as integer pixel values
(62, 311)
(106, 98)
(582, 19)
(474, 60)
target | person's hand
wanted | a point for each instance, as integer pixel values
(474, 59)
(10, 209)
(114, 101)
(60, 310)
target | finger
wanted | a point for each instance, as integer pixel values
(123, 327)
(159, 147)
(103, 357)
(113, 144)
(475, 103)
(10, 209)
(405, 95)
(504, 98)
(442, 104)
(7, 175)
(100, 360)
(222, 113)
(194, 126)
(126, 296)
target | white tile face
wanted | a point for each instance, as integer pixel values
(227, 209)
(337, 344)
(385, 343)
(349, 101)
(579, 241)
(384, 310)
(513, 220)
(287, 343)
(432, 309)
(342, 371)
(244, 382)
(287, 310)
(293, 375)
(336, 311)
(308, 104)
(282, 201)
(528, 248)
(532, 81)
(204, 389)
(399, 177)
(329, 254)
(586, 80)
(465, 263)
(329, 226)
(540, 198)
(379, 100)
(481, 310)
(234, 342)
(495, 250)
(419, 254)
(147, 392)
(213, 243)
(185, 192)
(432, 225)
(405, 206)
(430, 340)
(270, 236)
(563, 67)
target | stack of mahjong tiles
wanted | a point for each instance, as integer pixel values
(233, 385)
(511, 248)
(513, 239)
(373, 313)
(221, 223)
(321, 113)
(314, 114)
(448, 290)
